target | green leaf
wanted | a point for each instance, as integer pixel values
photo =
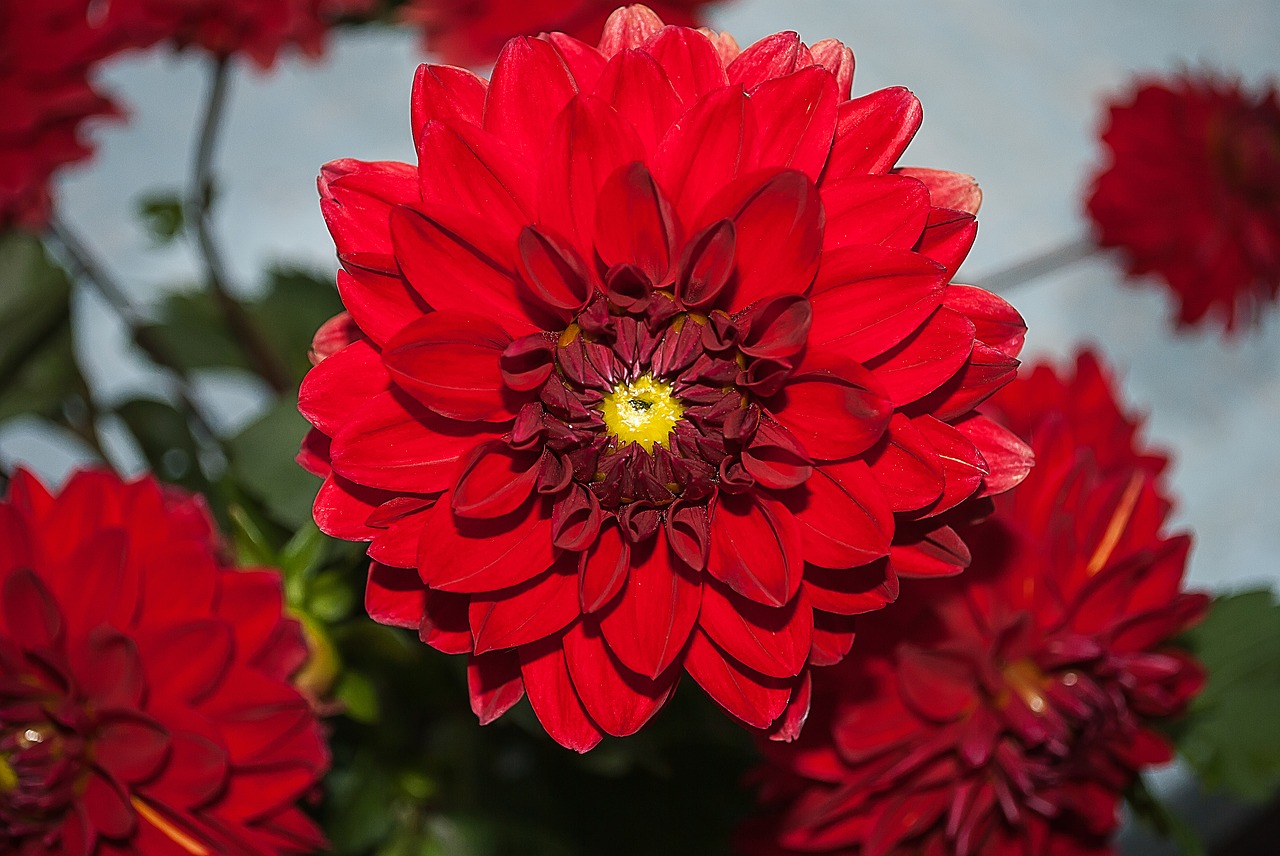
(190, 332)
(161, 213)
(37, 361)
(295, 305)
(1155, 815)
(359, 696)
(164, 436)
(303, 552)
(253, 547)
(262, 463)
(1228, 735)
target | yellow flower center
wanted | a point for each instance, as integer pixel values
(8, 778)
(643, 411)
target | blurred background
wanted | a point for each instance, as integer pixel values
(1013, 94)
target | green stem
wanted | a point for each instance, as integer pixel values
(1037, 266)
(199, 204)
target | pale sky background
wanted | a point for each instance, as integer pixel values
(1012, 93)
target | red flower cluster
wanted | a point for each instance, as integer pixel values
(644, 358)
(257, 28)
(1005, 711)
(47, 51)
(1192, 193)
(145, 706)
(471, 32)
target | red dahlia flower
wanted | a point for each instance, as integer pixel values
(644, 357)
(471, 32)
(1006, 710)
(1192, 193)
(145, 703)
(258, 28)
(47, 51)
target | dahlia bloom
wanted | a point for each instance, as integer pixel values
(471, 32)
(1192, 193)
(639, 365)
(145, 703)
(47, 51)
(1006, 710)
(258, 28)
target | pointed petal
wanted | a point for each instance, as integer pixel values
(906, 466)
(752, 697)
(873, 131)
(604, 568)
(834, 406)
(633, 223)
(843, 515)
(927, 358)
(449, 362)
(890, 210)
(702, 153)
(534, 610)
(529, 86)
(953, 190)
(638, 88)
(800, 112)
(772, 641)
(628, 27)
(756, 548)
(690, 60)
(495, 480)
(394, 596)
(494, 684)
(851, 591)
(462, 166)
(617, 699)
(772, 57)
(446, 93)
(461, 555)
(555, 702)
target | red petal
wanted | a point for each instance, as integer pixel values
(751, 697)
(800, 112)
(108, 667)
(462, 166)
(494, 684)
(690, 62)
(986, 371)
(907, 466)
(356, 199)
(190, 659)
(458, 263)
(529, 86)
(129, 746)
(963, 467)
(394, 596)
(832, 638)
(30, 612)
(554, 272)
(774, 642)
(997, 324)
(786, 728)
(449, 362)
(342, 507)
(583, 61)
(756, 548)
(776, 328)
(706, 265)
(834, 406)
(772, 57)
(589, 142)
(633, 223)
(637, 86)
(340, 385)
(832, 55)
(868, 299)
(107, 805)
(953, 190)
(873, 131)
(628, 27)
(649, 624)
(927, 358)
(444, 624)
(526, 613)
(604, 568)
(555, 702)
(702, 153)
(938, 552)
(948, 238)
(890, 210)
(843, 515)
(935, 685)
(446, 93)
(380, 302)
(461, 555)
(1008, 458)
(393, 443)
(617, 699)
(851, 591)
(777, 218)
(496, 480)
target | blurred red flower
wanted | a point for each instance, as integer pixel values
(471, 32)
(1192, 193)
(145, 703)
(644, 357)
(259, 29)
(47, 52)
(1006, 710)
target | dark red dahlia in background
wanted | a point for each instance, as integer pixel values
(145, 703)
(644, 358)
(1006, 710)
(259, 29)
(472, 32)
(1192, 193)
(47, 52)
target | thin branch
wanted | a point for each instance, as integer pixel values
(1041, 265)
(87, 269)
(263, 356)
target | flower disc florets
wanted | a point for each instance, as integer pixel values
(644, 362)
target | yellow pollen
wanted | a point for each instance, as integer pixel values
(643, 412)
(1026, 680)
(8, 777)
